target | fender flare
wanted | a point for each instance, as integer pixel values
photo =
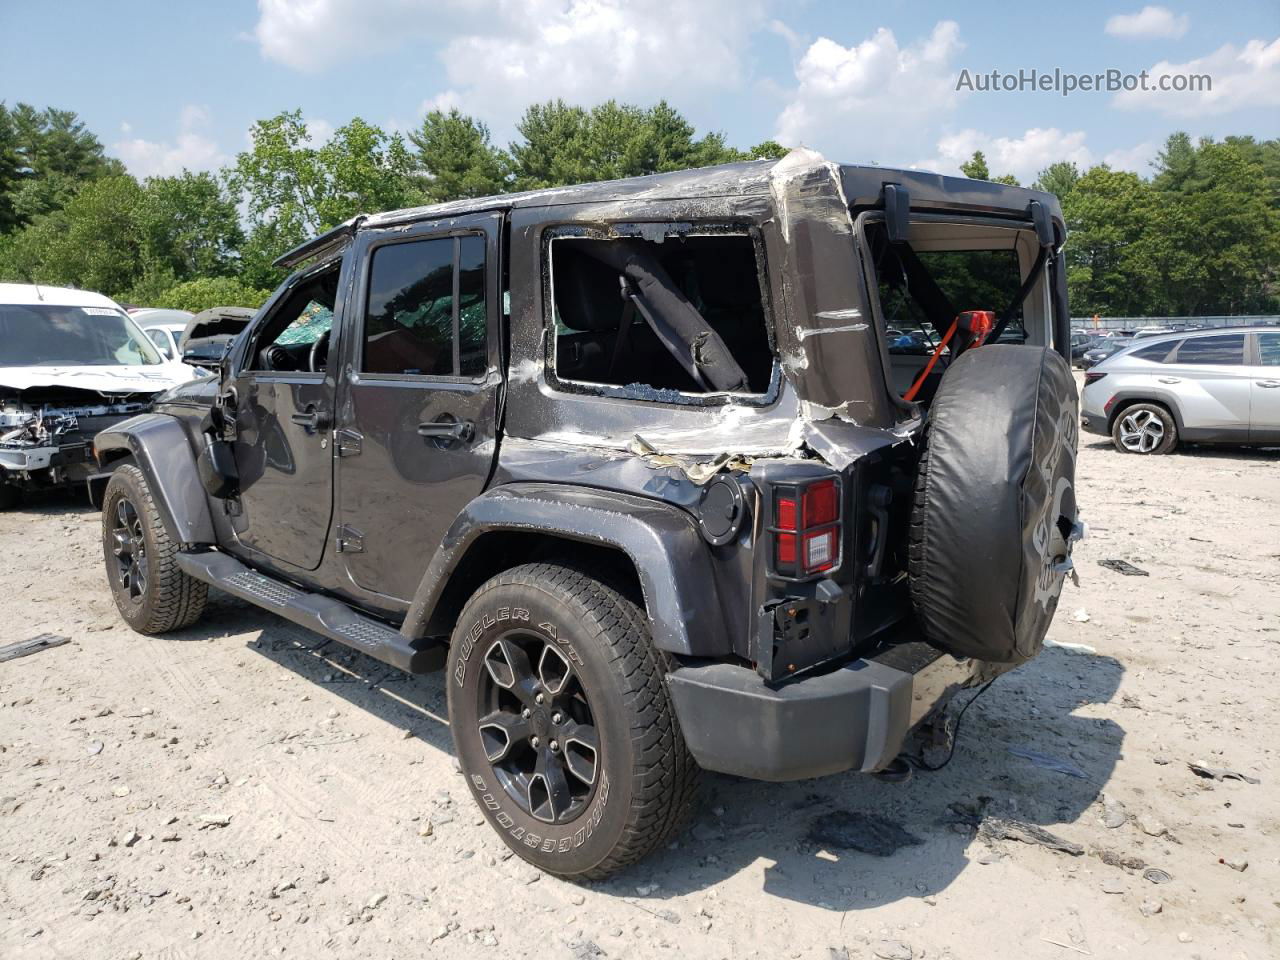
(662, 541)
(1164, 398)
(159, 445)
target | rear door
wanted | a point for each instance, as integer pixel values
(415, 435)
(1212, 385)
(1264, 407)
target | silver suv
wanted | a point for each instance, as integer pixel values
(1212, 386)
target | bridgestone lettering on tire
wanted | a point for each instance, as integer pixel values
(563, 724)
(995, 503)
(151, 592)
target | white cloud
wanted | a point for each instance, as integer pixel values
(189, 150)
(318, 35)
(319, 131)
(499, 55)
(1023, 156)
(886, 88)
(1241, 78)
(1150, 21)
(587, 51)
(444, 102)
(1136, 158)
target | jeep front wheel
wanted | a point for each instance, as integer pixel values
(563, 724)
(152, 593)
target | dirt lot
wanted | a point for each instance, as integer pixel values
(230, 792)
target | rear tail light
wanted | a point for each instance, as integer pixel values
(1091, 377)
(806, 528)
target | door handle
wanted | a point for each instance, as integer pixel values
(1169, 379)
(312, 419)
(462, 430)
(1269, 383)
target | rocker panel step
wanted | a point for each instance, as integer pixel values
(326, 616)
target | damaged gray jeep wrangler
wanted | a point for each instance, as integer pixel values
(739, 469)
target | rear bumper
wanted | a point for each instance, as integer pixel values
(1093, 417)
(855, 717)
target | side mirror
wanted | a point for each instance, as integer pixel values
(206, 354)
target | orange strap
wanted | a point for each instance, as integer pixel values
(937, 352)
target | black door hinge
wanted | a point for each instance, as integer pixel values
(347, 443)
(349, 540)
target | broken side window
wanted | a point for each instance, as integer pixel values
(685, 314)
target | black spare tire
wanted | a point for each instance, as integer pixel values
(995, 503)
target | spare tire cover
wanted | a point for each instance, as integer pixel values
(995, 502)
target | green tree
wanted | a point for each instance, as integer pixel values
(455, 153)
(1107, 215)
(11, 173)
(975, 168)
(564, 144)
(1058, 178)
(767, 150)
(205, 292)
(1175, 165)
(1213, 246)
(53, 154)
(293, 190)
(100, 242)
(191, 225)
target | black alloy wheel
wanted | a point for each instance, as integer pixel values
(537, 728)
(129, 545)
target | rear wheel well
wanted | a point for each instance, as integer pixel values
(1123, 405)
(501, 550)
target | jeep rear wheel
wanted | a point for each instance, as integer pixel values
(563, 724)
(151, 591)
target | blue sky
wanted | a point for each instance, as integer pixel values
(167, 84)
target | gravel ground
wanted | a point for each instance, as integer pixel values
(231, 792)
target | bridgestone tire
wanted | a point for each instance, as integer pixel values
(995, 503)
(646, 782)
(169, 599)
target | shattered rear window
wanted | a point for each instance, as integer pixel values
(969, 279)
(661, 320)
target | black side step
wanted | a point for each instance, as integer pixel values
(326, 616)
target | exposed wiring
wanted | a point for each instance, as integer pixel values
(918, 762)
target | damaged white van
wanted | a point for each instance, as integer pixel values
(71, 363)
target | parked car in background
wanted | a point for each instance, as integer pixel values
(1080, 344)
(1219, 385)
(163, 327)
(71, 363)
(1102, 349)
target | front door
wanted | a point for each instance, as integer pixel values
(415, 437)
(1264, 406)
(282, 395)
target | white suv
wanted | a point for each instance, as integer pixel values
(1218, 385)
